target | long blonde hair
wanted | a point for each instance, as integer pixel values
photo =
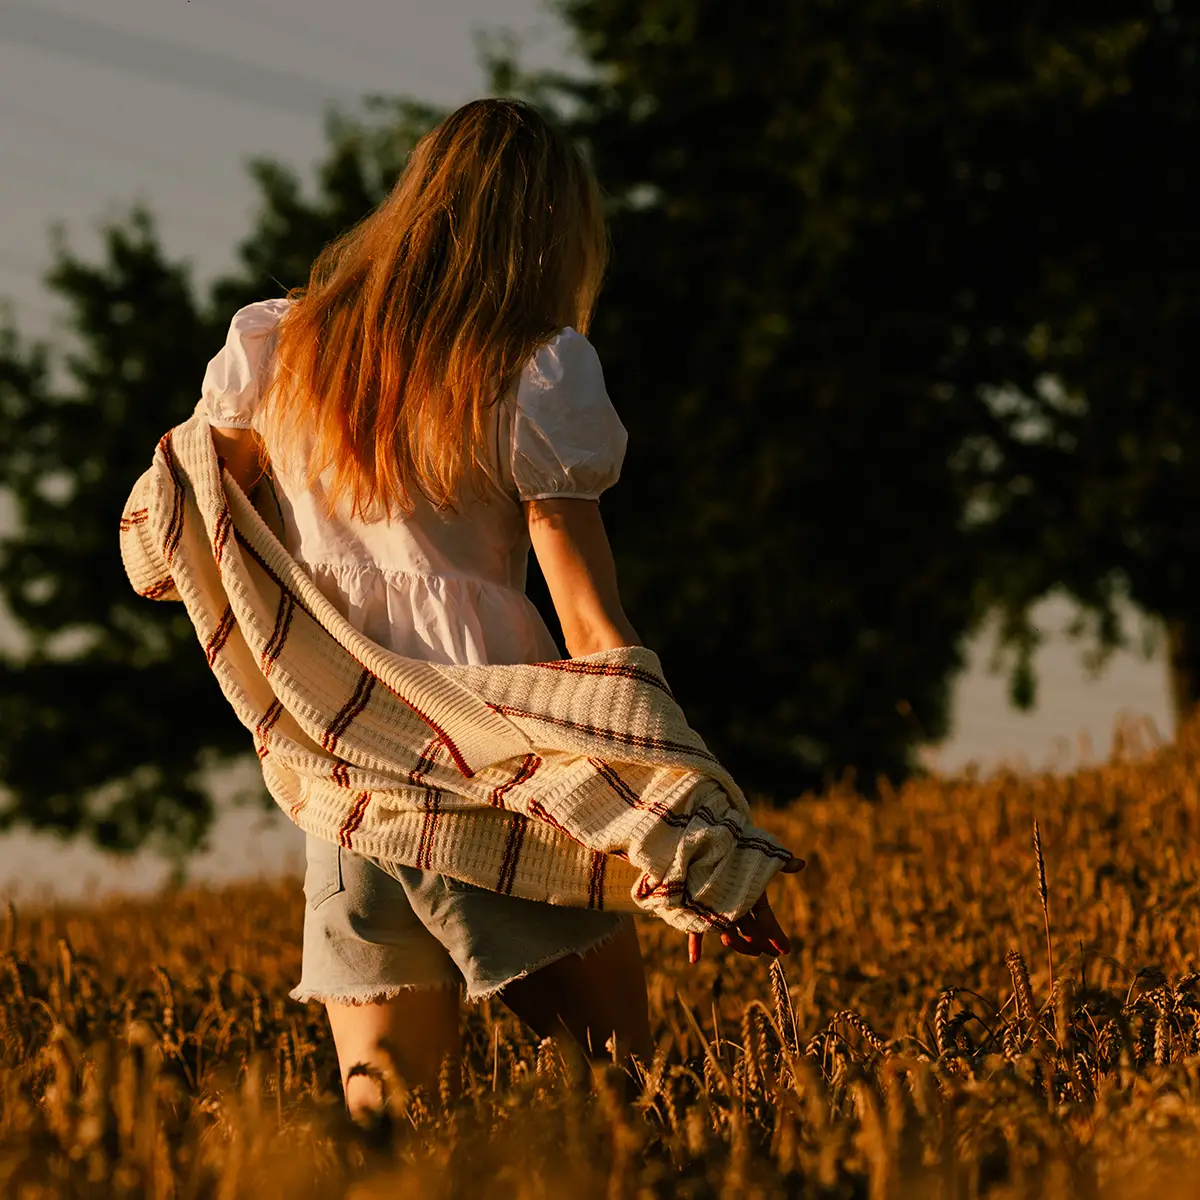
(422, 315)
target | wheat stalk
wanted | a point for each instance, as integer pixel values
(1044, 896)
(941, 1022)
(1022, 988)
(783, 1007)
(1162, 1040)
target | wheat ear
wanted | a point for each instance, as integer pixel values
(1044, 896)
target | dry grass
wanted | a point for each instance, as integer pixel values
(911, 1046)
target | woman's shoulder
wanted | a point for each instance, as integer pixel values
(233, 378)
(258, 318)
(566, 437)
(567, 358)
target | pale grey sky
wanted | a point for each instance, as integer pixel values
(107, 102)
(104, 102)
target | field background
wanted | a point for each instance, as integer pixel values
(911, 1046)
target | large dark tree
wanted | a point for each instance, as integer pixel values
(982, 226)
(840, 228)
(1090, 459)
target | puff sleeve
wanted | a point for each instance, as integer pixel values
(231, 384)
(566, 438)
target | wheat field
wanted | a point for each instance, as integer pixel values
(965, 1014)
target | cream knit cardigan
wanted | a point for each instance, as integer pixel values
(576, 782)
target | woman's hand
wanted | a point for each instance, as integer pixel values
(758, 932)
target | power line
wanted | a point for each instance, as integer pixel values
(168, 62)
(76, 182)
(88, 139)
(33, 168)
(293, 24)
(93, 139)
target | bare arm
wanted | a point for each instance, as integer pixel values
(572, 549)
(240, 450)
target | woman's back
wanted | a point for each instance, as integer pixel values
(442, 585)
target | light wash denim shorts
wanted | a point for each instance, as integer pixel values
(373, 929)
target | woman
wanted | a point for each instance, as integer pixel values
(430, 408)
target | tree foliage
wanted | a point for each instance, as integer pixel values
(946, 223)
(109, 721)
(1088, 466)
(110, 693)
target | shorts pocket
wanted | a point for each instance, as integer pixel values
(323, 874)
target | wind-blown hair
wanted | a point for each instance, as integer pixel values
(422, 315)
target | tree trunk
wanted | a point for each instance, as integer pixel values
(1183, 667)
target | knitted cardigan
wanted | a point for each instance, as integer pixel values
(577, 782)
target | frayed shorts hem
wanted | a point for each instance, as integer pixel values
(367, 995)
(476, 994)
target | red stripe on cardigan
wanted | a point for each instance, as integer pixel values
(220, 635)
(221, 537)
(283, 624)
(525, 772)
(681, 820)
(512, 854)
(349, 711)
(433, 804)
(265, 724)
(158, 590)
(596, 882)
(175, 525)
(575, 667)
(614, 735)
(354, 819)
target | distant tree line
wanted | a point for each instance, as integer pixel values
(899, 321)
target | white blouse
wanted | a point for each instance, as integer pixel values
(443, 586)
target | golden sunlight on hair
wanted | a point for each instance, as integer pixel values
(419, 317)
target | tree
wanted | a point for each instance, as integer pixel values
(994, 203)
(108, 723)
(1088, 469)
(827, 214)
(97, 722)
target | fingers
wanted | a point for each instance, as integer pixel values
(695, 944)
(769, 928)
(737, 941)
(759, 931)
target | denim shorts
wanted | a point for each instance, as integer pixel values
(373, 929)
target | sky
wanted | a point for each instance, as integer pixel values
(162, 103)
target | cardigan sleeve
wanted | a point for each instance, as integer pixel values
(233, 380)
(566, 439)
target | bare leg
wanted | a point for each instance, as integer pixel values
(593, 995)
(417, 1029)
